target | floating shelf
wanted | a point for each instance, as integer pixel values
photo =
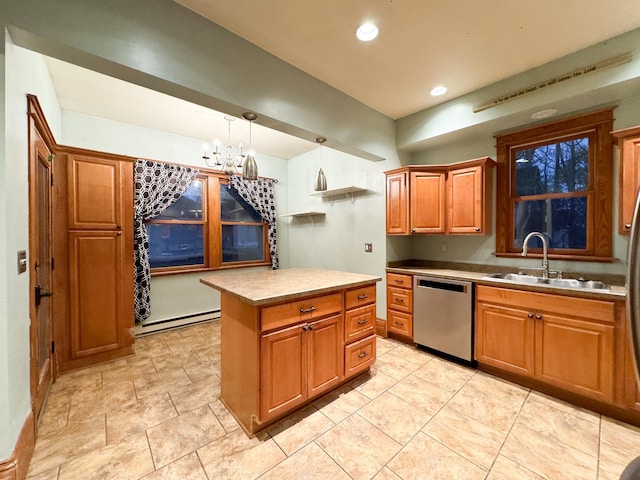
(302, 214)
(348, 192)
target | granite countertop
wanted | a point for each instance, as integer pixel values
(263, 287)
(616, 293)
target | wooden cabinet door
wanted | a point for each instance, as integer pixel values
(100, 293)
(427, 194)
(400, 323)
(465, 200)
(398, 203)
(95, 188)
(629, 178)
(283, 371)
(575, 355)
(505, 338)
(325, 354)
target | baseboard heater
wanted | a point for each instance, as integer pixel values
(155, 326)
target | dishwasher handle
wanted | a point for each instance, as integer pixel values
(437, 285)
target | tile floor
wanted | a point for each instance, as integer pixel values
(156, 415)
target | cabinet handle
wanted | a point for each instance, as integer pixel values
(398, 300)
(362, 322)
(399, 281)
(362, 297)
(530, 315)
(399, 324)
(627, 226)
(362, 355)
(307, 310)
(538, 317)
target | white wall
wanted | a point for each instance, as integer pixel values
(171, 295)
(24, 72)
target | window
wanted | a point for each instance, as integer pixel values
(209, 209)
(557, 179)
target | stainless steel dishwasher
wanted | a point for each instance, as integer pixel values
(443, 316)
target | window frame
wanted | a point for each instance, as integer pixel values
(212, 229)
(595, 125)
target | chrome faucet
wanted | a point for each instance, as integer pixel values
(545, 247)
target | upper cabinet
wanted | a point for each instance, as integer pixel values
(441, 199)
(629, 151)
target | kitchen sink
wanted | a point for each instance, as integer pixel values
(578, 283)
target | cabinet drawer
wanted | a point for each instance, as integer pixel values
(400, 323)
(359, 322)
(299, 311)
(359, 356)
(399, 280)
(400, 299)
(360, 296)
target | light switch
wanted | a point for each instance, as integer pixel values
(22, 261)
(368, 247)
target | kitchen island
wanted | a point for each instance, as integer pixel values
(289, 336)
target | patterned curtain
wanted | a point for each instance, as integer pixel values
(259, 194)
(157, 186)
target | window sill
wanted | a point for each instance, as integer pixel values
(555, 256)
(180, 271)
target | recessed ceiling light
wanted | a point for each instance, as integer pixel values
(439, 90)
(544, 114)
(367, 32)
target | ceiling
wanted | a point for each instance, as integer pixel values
(464, 45)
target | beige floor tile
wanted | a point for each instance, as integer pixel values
(55, 415)
(200, 368)
(412, 354)
(395, 417)
(70, 383)
(506, 469)
(151, 346)
(351, 444)
(619, 444)
(148, 412)
(129, 372)
(373, 383)
(386, 474)
(563, 427)
(71, 442)
(547, 457)
(421, 394)
(498, 387)
(445, 374)
(160, 382)
(173, 360)
(186, 468)
(48, 475)
(125, 461)
(341, 403)
(120, 396)
(383, 345)
(423, 458)
(298, 429)
(396, 366)
(496, 412)
(309, 463)
(182, 435)
(237, 457)
(564, 406)
(469, 438)
(223, 415)
(195, 394)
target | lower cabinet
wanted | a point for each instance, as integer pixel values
(562, 341)
(298, 363)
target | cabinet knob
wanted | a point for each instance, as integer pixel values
(627, 226)
(362, 355)
(538, 317)
(477, 229)
(413, 230)
(118, 227)
(530, 315)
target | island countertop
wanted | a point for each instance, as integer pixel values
(263, 287)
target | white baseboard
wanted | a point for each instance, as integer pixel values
(166, 324)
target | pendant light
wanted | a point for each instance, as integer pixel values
(321, 180)
(250, 167)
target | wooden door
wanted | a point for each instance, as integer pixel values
(427, 202)
(40, 266)
(95, 193)
(505, 338)
(575, 355)
(283, 371)
(398, 203)
(629, 177)
(325, 354)
(465, 200)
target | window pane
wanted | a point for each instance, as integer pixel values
(242, 243)
(233, 208)
(564, 219)
(555, 168)
(173, 245)
(187, 207)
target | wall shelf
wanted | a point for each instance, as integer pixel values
(348, 192)
(309, 214)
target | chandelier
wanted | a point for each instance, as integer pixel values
(232, 162)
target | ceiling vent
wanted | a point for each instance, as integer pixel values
(581, 72)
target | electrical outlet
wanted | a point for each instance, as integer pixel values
(368, 247)
(22, 261)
